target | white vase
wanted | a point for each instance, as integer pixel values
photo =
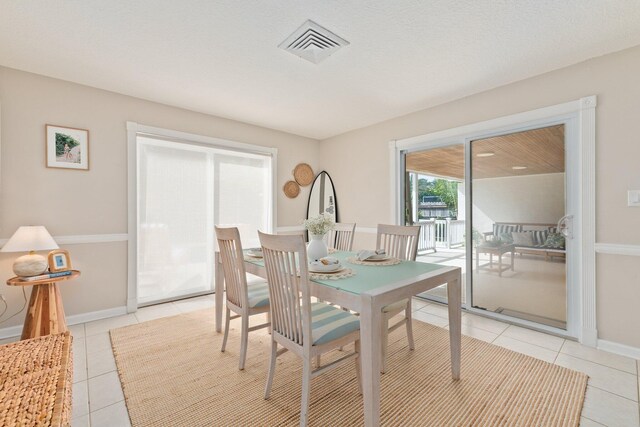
(317, 248)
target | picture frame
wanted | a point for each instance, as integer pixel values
(59, 260)
(67, 147)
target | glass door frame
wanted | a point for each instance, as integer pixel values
(578, 118)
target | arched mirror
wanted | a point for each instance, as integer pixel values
(322, 198)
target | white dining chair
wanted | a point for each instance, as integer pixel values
(400, 242)
(341, 237)
(244, 300)
(304, 328)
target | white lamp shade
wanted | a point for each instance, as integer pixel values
(30, 238)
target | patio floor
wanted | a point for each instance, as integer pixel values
(535, 290)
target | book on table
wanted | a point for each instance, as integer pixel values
(51, 275)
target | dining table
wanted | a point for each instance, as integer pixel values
(367, 291)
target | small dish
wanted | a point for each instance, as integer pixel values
(318, 267)
(255, 252)
(378, 258)
(340, 270)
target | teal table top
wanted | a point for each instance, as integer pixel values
(369, 277)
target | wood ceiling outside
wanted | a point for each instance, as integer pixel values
(540, 150)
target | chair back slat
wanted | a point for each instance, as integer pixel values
(399, 241)
(289, 293)
(232, 258)
(341, 237)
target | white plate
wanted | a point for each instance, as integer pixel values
(340, 270)
(378, 258)
(256, 253)
(325, 268)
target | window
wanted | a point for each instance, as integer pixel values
(183, 187)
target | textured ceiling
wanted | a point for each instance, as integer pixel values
(222, 57)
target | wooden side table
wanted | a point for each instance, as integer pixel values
(45, 314)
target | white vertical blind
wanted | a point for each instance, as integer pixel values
(183, 190)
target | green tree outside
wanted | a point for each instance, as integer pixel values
(61, 140)
(446, 190)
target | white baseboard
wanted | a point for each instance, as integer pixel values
(589, 337)
(13, 331)
(621, 349)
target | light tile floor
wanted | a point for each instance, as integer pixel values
(611, 400)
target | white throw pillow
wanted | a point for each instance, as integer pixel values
(523, 239)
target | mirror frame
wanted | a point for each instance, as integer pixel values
(335, 196)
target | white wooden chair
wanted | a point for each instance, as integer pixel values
(400, 242)
(341, 237)
(307, 329)
(244, 300)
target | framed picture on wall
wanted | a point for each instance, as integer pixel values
(67, 148)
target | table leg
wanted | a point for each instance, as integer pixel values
(45, 314)
(370, 359)
(491, 260)
(477, 259)
(454, 301)
(513, 255)
(219, 289)
(500, 264)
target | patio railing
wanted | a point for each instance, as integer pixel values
(440, 233)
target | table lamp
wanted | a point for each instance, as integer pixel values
(30, 239)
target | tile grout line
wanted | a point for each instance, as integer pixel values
(108, 406)
(593, 421)
(596, 363)
(611, 392)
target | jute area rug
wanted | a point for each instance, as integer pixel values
(173, 374)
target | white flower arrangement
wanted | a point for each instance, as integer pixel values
(319, 225)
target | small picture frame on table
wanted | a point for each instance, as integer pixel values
(59, 261)
(67, 148)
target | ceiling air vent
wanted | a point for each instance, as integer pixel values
(313, 42)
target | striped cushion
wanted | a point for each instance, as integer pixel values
(396, 306)
(540, 236)
(329, 323)
(499, 229)
(258, 295)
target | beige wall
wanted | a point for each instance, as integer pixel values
(362, 156)
(537, 199)
(72, 202)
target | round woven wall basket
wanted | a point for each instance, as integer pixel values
(303, 174)
(291, 189)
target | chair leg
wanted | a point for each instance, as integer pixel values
(384, 342)
(409, 324)
(358, 370)
(343, 309)
(317, 361)
(244, 339)
(306, 391)
(272, 368)
(226, 331)
(269, 322)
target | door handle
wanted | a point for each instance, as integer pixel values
(565, 226)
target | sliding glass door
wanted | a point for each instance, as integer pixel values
(183, 189)
(503, 205)
(518, 199)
